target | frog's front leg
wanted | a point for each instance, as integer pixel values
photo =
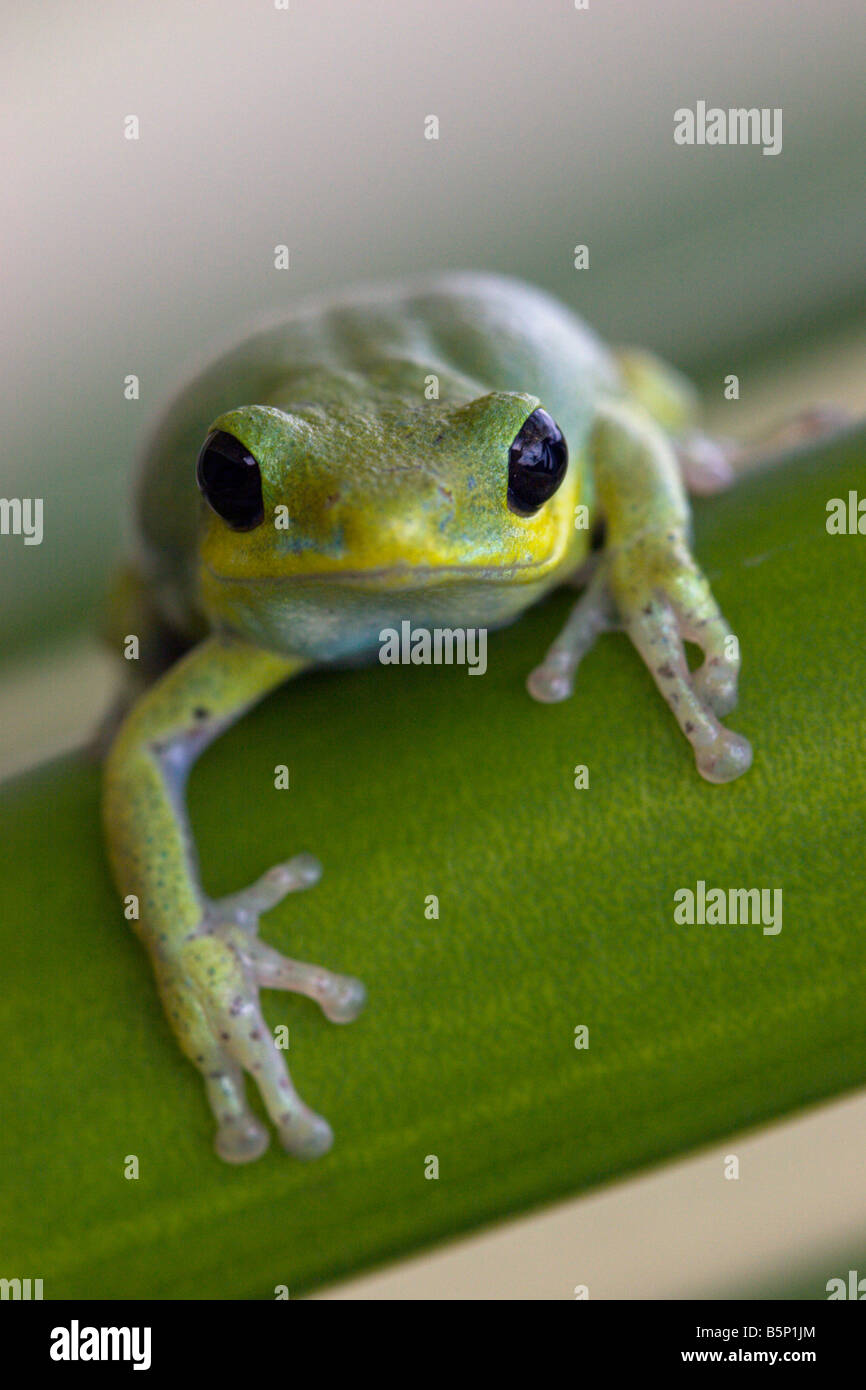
(208, 961)
(648, 578)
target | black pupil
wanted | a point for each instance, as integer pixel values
(537, 461)
(230, 480)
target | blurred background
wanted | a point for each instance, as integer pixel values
(305, 125)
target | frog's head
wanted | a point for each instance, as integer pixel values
(390, 495)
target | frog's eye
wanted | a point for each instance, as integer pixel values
(537, 461)
(230, 481)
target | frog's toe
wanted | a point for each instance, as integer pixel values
(727, 757)
(716, 684)
(305, 1134)
(657, 633)
(553, 680)
(215, 998)
(240, 1136)
(700, 622)
(301, 1131)
(340, 997)
(248, 1043)
(594, 613)
(816, 422)
(293, 876)
(241, 1141)
(705, 463)
(346, 1000)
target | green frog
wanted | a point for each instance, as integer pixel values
(443, 452)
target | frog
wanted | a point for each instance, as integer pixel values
(443, 450)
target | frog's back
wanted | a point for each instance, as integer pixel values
(500, 333)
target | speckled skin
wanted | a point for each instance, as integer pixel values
(397, 507)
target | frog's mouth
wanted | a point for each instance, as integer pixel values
(397, 576)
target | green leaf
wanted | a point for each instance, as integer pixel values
(556, 909)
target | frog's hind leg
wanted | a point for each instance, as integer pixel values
(673, 402)
(709, 463)
(663, 392)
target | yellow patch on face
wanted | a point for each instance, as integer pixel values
(394, 495)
